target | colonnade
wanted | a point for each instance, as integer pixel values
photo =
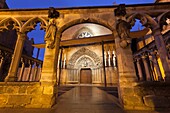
(149, 68)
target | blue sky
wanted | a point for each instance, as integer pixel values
(38, 35)
(68, 3)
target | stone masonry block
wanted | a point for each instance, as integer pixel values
(133, 100)
(48, 90)
(2, 89)
(33, 106)
(12, 89)
(141, 91)
(42, 99)
(34, 90)
(19, 100)
(156, 101)
(3, 99)
(127, 91)
(22, 90)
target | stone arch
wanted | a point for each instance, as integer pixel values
(6, 22)
(31, 24)
(81, 52)
(145, 20)
(80, 63)
(83, 20)
(162, 19)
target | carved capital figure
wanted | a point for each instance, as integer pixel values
(123, 30)
(51, 33)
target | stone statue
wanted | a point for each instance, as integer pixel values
(123, 30)
(51, 34)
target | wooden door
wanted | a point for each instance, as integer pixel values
(85, 76)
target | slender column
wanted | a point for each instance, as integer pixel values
(38, 52)
(30, 71)
(1, 62)
(114, 59)
(155, 63)
(16, 58)
(104, 71)
(22, 70)
(160, 44)
(144, 59)
(60, 66)
(49, 69)
(109, 58)
(139, 69)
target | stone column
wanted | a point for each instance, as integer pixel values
(160, 44)
(60, 66)
(16, 58)
(156, 65)
(49, 69)
(104, 66)
(147, 72)
(139, 69)
(126, 68)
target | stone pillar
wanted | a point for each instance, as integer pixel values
(155, 63)
(126, 68)
(160, 44)
(16, 58)
(139, 69)
(147, 72)
(104, 66)
(49, 69)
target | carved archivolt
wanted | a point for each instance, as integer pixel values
(91, 18)
(84, 51)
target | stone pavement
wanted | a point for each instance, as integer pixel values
(80, 100)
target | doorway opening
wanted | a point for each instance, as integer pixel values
(86, 76)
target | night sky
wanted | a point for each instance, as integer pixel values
(69, 3)
(38, 35)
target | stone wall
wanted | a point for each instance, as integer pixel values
(26, 95)
(147, 96)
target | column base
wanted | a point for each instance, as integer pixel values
(10, 79)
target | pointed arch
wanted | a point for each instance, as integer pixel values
(162, 19)
(6, 22)
(145, 20)
(31, 24)
(83, 20)
(81, 52)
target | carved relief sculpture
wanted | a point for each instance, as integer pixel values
(51, 29)
(123, 30)
(51, 33)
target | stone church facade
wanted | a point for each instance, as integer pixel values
(89, 46)
(82, 64)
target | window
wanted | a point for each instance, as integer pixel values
(84, 34)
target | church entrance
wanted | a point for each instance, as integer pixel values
(86, 76)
